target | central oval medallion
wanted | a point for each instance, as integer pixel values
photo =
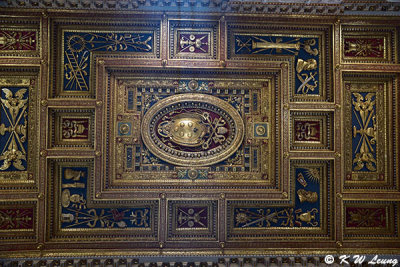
(192, 129)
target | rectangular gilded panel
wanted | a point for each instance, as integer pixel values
(306, 212)
(304, 49)
(18, 128)
(311, 130)
(193, 39)
(370, 220)
(18, 220)
(79, 211)
(80, 46)
(216, 131)
(192, 219)
(369, 44)
(368, 123)
(71, 128)
(19, 40)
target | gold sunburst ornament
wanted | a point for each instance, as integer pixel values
(313, 174)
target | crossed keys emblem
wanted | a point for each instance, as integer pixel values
(15, 108)
(305, 80)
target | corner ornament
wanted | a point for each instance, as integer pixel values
(192, 129)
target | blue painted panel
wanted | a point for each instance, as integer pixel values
(14, 128)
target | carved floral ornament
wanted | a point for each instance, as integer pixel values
(192, 129)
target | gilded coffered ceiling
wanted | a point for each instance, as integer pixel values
(235, 130)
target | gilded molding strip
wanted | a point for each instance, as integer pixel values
(200, 261)
(303, 7)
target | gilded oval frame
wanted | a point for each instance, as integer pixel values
(192, 162)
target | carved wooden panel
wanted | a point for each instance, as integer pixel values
(160, 133)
